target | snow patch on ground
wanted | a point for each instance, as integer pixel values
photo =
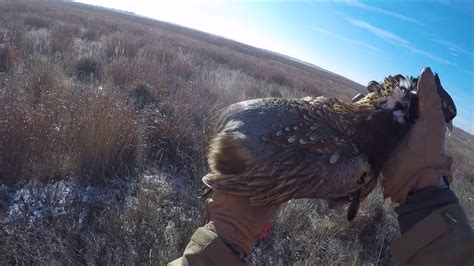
(37, 200)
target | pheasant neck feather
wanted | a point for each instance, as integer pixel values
(376, 134)
(345, 116)
(373, 130)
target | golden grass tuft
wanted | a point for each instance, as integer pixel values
(104, 140)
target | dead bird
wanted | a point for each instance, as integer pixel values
(273, 149)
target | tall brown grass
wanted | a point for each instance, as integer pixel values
(8, 58)
(104, 138)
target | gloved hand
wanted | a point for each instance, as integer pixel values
(236, 222)
(418, 161)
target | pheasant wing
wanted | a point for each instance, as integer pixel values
(298, 153)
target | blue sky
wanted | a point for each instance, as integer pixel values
(360, 40)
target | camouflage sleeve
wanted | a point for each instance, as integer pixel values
(205, 248)
(435, 230)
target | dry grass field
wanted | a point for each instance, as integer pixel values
(105, 119)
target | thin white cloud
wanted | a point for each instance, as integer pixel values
(453, 47)
(428, 55)
(469, 72)
(345, 39)
(396, 40)
(382, 11)
(386, 35)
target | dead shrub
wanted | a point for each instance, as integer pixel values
(9, 58)
(281, 79)
(275, 93)
(142, 97)
(43, 82)
(168, 68)
(35, 125)
(88, 49)
(63, 38)
(162, 139)
(15, 149)
(149, 72)
(88, 69)
(253, 92)
(36, 22)
(217, 55)
(49, 142)
(158, 54)
(37, 42)
(313, 87)
(121, 45)
(49, 118)
(104, 137)
(178, 130)
(90, 34)
(14, 36)
(121, 72)
(183, 69)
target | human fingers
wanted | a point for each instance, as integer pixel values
(429, 100)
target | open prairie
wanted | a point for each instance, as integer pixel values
(105, 118)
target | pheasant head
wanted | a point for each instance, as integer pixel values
(399, 94)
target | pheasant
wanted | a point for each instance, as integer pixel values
(274, 149)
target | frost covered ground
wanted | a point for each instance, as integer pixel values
(54, 199)
(45, 220)
(37, 200)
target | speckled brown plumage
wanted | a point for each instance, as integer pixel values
(275, 149)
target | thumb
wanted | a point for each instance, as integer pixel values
(429, 100)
